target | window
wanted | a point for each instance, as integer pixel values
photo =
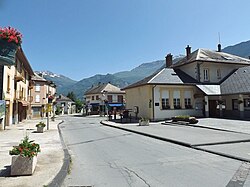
(97, 97)
(206, 74)
(37, 88)
(8, 84)
(165, 103)
(165, 100)
(37, 98)
(218, 74)
(110, 98)
(187, 99)
(247, 104)
(120, 98)
(93, 98)
(177, 100)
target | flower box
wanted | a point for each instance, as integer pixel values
(143, 122)
(23, 165)
(7, 52)
(24, 157)
(10, 39)
(39, 129)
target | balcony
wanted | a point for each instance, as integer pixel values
(19, 78)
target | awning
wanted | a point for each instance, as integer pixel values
(210, 89)
(24, 103)
(115, 104)
(94, 104)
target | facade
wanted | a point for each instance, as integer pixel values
(104, 96)
(42, 96)
(66, 105)
(15, 88)
(203, 84)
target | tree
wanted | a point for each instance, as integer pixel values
(72, 96)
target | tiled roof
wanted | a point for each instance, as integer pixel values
(206, 55)
(64, 98)
(165, 76)
(36, 77)
(238, 82)
(109, 88)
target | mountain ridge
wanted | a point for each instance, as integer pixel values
(124, 78)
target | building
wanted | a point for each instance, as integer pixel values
(65, 105)
(42, 96)
(15, 88)
(203, 83)
(104, 96)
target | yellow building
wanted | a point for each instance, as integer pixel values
(203, 83)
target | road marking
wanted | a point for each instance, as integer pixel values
(240, 176)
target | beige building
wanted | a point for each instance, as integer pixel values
(15, 88)
(204, 83)
(65, 105)
(42, 96)
(106, 95)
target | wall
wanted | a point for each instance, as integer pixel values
(168, 113)
(140, 96)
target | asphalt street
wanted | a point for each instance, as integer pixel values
(104, 156)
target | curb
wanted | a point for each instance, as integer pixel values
(204, 127)
(59, 178)
(180, 143)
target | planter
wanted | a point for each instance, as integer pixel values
(40, 129)
(143, 123)
(23, 165)
(7, 52)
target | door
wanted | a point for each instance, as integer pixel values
(213, 112)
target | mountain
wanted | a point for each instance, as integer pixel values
(120, 79)
(83, 85)
(242, 49)
(61, 81)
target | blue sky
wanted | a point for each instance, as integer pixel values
(81, 38)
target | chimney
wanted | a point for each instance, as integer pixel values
(169, 60)
(219, 47)
(188, 51)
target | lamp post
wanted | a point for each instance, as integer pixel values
(103, 100)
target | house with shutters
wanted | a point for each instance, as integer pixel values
(103, 97)
(42, 98)
(65, 105)
(204, 83)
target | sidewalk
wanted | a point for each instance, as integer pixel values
(50, 159)
(229, 138)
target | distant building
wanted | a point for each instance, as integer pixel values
(104, 96)
(203, 83)
(65, 104)
(42, 96)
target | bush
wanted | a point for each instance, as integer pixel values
(40, 124)
(26, 148)
(186, 118)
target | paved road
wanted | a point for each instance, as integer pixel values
(104, 156)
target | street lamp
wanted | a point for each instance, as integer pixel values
(103, 100)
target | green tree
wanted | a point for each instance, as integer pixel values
(72, 96)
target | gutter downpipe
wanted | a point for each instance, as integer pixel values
(153, 101)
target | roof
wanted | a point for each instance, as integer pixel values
(109, 88)
(64, 98)
(210, 89)
(212, 56)
(238, 82)
(165, 76)
(20, 54)
(37, 77)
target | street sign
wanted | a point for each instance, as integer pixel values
(2, 108)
